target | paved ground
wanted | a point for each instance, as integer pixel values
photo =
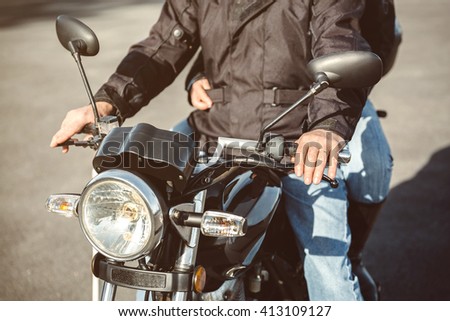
(47, 258)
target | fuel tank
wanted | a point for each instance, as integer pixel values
(254, 194)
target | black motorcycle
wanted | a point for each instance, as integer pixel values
(180, 224)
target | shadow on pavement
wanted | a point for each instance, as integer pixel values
(409, 250)
(13, 13)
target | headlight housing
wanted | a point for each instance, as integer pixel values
(121, 215)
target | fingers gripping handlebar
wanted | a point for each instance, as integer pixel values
(344, 157)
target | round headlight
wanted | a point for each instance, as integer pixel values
(121, 215)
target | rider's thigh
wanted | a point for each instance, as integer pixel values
(318, 216)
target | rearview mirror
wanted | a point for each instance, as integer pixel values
(76, 37)
(80, 40)
(351, 69)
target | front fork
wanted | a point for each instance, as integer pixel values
(186, 261)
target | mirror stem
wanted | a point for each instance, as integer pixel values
(77, 58)
(320, 84)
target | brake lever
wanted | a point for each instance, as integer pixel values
(333, 183)
(343, 158)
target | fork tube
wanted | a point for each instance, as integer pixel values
(109, 291)
(186, 261)
(95, 282)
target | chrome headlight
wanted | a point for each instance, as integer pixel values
(121, 215)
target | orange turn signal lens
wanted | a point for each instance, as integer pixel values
(199, 279)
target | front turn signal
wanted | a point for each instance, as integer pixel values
(221, 224)
(63, 204)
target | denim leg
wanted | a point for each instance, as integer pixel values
(368, 174)
(183, 127)
(318, 215)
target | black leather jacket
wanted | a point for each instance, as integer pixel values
(249, 47)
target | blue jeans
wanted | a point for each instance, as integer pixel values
(318, 213)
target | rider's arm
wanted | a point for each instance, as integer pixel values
(333, 113)
(335, 28)
(149, 67)
(152, 64)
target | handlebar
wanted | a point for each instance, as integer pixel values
(280, 148)
(277, 153)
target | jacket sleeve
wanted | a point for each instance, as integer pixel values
(335, 28)
(153, 64)
(197, 72)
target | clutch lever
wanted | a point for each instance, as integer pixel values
(74, 142)
(89, 129)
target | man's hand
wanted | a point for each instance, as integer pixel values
(315, 149)
(199, 97)
(76, 120)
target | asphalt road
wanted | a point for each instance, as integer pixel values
(43, 257)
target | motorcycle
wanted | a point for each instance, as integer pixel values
(174, 223)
